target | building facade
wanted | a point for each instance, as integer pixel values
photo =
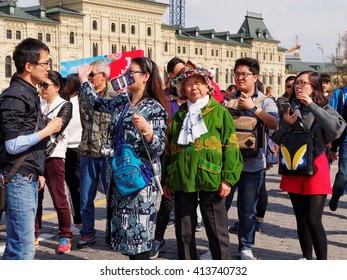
(76, 29)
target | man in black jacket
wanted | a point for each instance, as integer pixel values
(21, 133)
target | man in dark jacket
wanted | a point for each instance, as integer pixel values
(21, 133)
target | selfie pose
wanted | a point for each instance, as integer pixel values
(131, 217)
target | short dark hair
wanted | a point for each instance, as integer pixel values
(232, 86)
(172, 63)
(252, 63)
(28, 51)
(325, 78)
(290, 78)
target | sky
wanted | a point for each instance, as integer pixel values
(310, 21)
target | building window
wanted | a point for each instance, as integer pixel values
(217, 75)
(264, 56)
(8, 67)
(200, 51)
(241, 54)
(72, 38)
(18, 35)
(95, 49)
(270, 80)
(216, 52)
(124, 48)
(226, 75)
(179, 49)
(231, 54)
(149, 31)
(133, 29)
(95, 25)
(48, 38)
(196, 51)
(123, 28)
(279, 58)
(133, 48)
(113, 27)
(114, 48)
(149, 53)
(279, 80)
(231, 76)
(227, 53)
(184, 49)
(212, 52)
(9, 34)
(166, 47)
(270, 56)
(50, 63)
(39, 36)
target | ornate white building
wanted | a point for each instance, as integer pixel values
(75, 29)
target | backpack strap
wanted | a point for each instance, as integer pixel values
(259, 100)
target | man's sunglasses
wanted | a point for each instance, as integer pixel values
(92, 75)
(44, 85)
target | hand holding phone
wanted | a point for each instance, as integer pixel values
(285, 106)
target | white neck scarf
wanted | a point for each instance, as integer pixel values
(193, 125)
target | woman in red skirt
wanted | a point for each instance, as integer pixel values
(308, 193)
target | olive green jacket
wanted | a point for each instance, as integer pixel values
(213, 157)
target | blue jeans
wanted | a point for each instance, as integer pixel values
(247, 199)
(21, 195)
(341, 175)
(91, 171)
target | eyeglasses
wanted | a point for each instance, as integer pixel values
(44, 85)
(44, 64)
(289, 86)
(301, 83)
(92, 75)
(242, 74)
(135, 71)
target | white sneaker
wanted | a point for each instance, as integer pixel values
(246, 255)
(206, 256)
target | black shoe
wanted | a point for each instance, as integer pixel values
(333, 202)
(259, 227)
(234, 228)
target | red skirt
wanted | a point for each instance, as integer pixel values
(319, 183)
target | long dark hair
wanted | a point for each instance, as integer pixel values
(317, 93)
(154, 85)
(71, 87)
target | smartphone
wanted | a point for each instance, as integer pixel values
(122, 82)
(285, 106)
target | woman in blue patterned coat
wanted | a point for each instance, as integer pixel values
(131, 217)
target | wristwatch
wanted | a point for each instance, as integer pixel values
(253, 109)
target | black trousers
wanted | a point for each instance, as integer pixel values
(72, 179)
(215, 220)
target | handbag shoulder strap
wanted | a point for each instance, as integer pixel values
(56, 107)
(22, 158)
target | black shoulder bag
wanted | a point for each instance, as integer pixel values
(296, 153)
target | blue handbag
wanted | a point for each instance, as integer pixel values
(130, 174)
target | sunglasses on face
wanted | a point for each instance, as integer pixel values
(92, 75)
(44, 85)
(289, 86)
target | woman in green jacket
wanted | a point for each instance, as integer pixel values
(202, 162)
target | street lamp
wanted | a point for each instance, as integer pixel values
(321, 48)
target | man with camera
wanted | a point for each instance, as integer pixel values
(94, 166)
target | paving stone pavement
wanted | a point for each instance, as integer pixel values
(278, 241)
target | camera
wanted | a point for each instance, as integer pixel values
(106, 150)
(122, 82)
